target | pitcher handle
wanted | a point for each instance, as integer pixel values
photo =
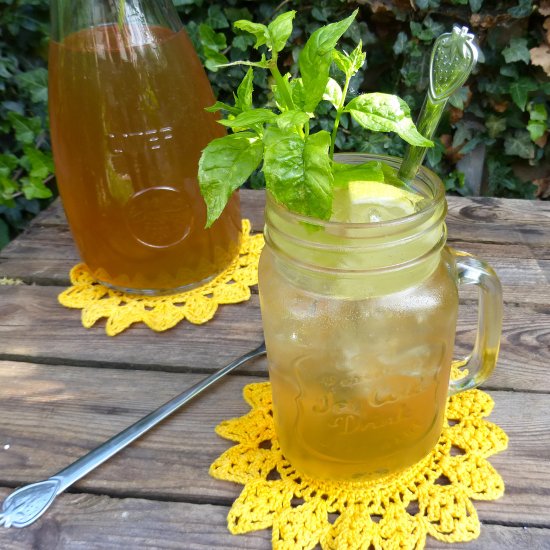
(482, 361)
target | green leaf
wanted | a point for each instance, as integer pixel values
(34, 188)
(243, 101)
(225, 164)
(41, 164)
(8, 162)
(257, 29)
(495, 125)
(298, 172)
(298, 93)
(523, 9)
(216, 18)
(35, 82)
(475, 5)
(26, 129)
(538, 120)
(350, 64)
(333, 93)
(386, 113)
(292, 118)
(280, 30)
(459, 98)
(250, 118)
(316, 57)
(400, 43)
(220, 106)
(519, 90)
(8, 187)
(368, 171)
(517, 51)
(211, 39)
(519, 144)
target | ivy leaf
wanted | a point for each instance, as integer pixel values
(26, 129)
(298, 172)
(34, 188)
(216, 18)
(41, 164)
(495, 125)
(35, 82)
(280, 30)
(538, 121)
(517, 51)
(8, 188)
(212, 43)
(211, 39)
(386, 113)
(519, 90)
(475, 5)
(226, 163)
(460, 97)
(400, 43)
(8, 162)
(523, 9)
(316, 57)
(519, 144)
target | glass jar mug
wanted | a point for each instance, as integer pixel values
(127, 94)
(359, 322)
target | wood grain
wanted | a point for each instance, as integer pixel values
(73, 522)
(65, 389)
(29, 315)
(63, 412)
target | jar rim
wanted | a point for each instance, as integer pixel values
(425, 176)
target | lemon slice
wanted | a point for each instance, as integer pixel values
(374, 201)
(374, 191)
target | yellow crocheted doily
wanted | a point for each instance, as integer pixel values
(434, 497)
(163, 312)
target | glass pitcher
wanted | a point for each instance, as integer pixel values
(127, 98)
(359, 322)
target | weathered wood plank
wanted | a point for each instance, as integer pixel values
(45, 253)
(51, 415)
(29, 315)
(100, 522)
(104, 523)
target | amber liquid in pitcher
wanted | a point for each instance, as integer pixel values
(128, 125)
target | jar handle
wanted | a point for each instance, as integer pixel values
(482, 361)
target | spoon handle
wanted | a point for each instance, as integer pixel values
(97, 456)
(454, 55)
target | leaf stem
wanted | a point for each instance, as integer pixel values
(338, 115)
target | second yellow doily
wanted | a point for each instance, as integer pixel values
(434, 497)
(163, 312)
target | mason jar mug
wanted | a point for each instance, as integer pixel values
(359, 322)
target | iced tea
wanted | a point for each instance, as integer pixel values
(128, 125)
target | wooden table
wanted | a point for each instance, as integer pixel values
(65, 389)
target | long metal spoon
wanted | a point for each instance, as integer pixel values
(454, 55)
(26, 504)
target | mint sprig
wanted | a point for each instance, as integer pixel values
(298, 166)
